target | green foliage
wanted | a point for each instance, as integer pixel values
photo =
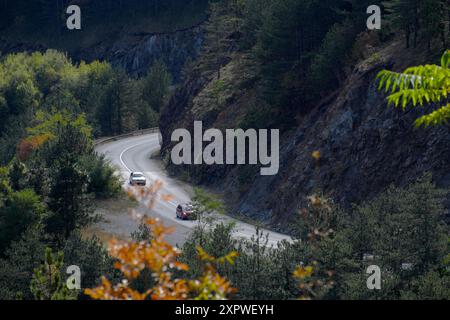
(103, 181)
(416, 18)
(117, 113)
(429, 84)
(157, 86)
(92, 258)
(401, 227)
(101, 18)
(259, 271)
(17, 172)
(326, 66)
(143, 233)
(402, 231)
(206, 202)
(69, 202)
(41, 90)
(433, 20)
(68, 197)
(25, 255)
(222, 33)
(46, 124)
(18, 264)
(5, 188)
(22, 210)
(434, 285)
(404, 15)
(46, 283)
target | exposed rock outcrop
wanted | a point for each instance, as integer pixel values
(133, 52)
(365, 146)
(136, 52)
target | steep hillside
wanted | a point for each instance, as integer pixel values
(365, 145)
(130, 35)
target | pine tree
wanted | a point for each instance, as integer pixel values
(404, 14)
(117, 113)
(222, 33)
(157, 86)
(432, 19)
(403, 233)
(46, 283)
(68, 200)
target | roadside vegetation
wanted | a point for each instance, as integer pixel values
(402, 231)
(51, 112)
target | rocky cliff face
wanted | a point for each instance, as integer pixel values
(136, 52)
(133, 52)
(365, 146)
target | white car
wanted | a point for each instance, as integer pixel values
(137, 179)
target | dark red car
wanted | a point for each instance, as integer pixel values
(186, 212)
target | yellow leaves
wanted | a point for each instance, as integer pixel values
(157, 256)
(317, 155)
(27, 146)
(160, 258)
(313, 284)
(230, 258)
(205, 257)
(440, 116)
(318, 218)
(47, 124)
(211, 286)
(303, 272)
(315, 200)
(133, 257)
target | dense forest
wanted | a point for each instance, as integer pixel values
(49, 15)
(263, 64)
(305, 49)
(51, 111)
(45, 84)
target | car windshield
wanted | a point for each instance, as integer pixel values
(137, 175)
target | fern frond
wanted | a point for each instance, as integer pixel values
(440, 116)
(413, 78)
(445, 60)
(416, 96)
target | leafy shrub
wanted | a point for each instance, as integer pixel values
(421, 86)
(22, 210)
(103, 182)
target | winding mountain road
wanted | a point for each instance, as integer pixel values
(134, 154)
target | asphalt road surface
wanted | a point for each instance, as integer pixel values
(134, 154)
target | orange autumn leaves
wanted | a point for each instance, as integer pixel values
(157, 258)
(28, 145)
(133, 257)
(161, 260)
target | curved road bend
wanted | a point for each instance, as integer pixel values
(133, 154)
